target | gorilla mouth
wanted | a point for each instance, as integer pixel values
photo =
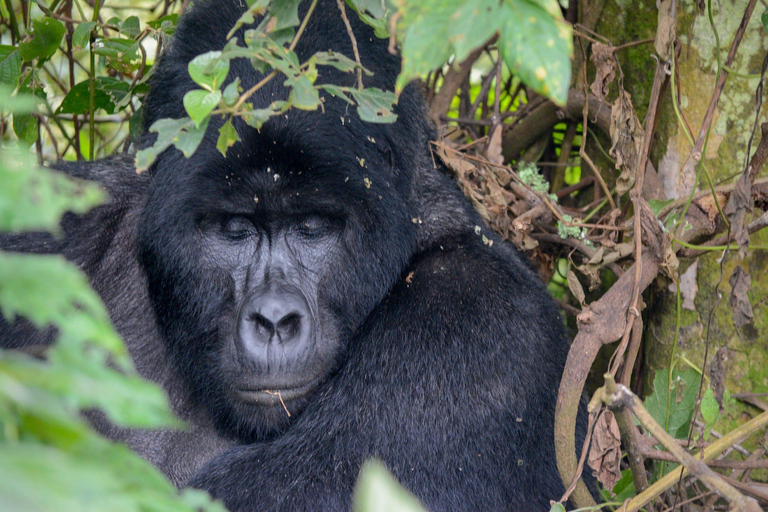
(275, 396)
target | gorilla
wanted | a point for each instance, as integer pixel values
(322, 295)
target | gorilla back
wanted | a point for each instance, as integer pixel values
(323, 297)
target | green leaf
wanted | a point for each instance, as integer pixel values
(710, 409)
(82, 34)
(374, 8)
(427, 23)
(167, 130)
(209, 70)
(624, 488)
(164, 22)
(69, 483)
(22, 103)
(764, 20)
(49, 291)
(10, 66)
(657, 205)
(190, 138)
(25, 128)
(286, 12)
(536, 44)
(34, 198)
(303, 94)
(136, 124)
(199, 104)
(337, 60)
(338, 91)
(88, 383)
(31, 84)
(182, 133)
(471, 26)
(167, 24)
(557, 507)
(255, 8)
(108, 93)
(374, 13)
(120, 54)
(227, 137)
(375, 105)
(256, 118)
(672, 403)
(378, 491)
(91, 476)
(232, 92)
(46, 37)
(131, 27)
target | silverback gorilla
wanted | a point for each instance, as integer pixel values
(319, 297)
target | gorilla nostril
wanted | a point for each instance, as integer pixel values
(264, 328)
(289, 327)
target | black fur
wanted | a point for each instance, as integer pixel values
(445, 351)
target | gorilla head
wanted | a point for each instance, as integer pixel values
(262, 264)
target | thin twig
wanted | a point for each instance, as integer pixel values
(351, 34)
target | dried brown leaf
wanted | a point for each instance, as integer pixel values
(494, 147)
(457, 164)
(605, 451)
(611, 257)
(592, 271)
(669, 262)
(740, 283)
(736, 210)
(575, 286)
(710, 207)
(689, 286)
(717, 375)
(597, 257)
(625, 249)
(523, 241)
(605, 69)
(665, 32)
(627, 140)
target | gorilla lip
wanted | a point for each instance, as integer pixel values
(274, 396)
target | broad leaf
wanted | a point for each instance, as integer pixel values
(35, 198)
(199, 104)
(46, 38)
(209, 70)
(10, 66)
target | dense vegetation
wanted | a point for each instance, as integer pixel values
(567, 165)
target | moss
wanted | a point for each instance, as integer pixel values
(635, 61)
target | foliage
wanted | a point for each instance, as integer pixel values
(51, 458)
(378, 491)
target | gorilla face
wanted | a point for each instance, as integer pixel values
(278, 340)
(254, 263)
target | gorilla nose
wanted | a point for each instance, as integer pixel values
(274, 317)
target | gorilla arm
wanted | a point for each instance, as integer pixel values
(447, 383)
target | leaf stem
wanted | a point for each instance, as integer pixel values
(92, 80)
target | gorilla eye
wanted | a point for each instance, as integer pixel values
(237, 227)
(314, 226)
